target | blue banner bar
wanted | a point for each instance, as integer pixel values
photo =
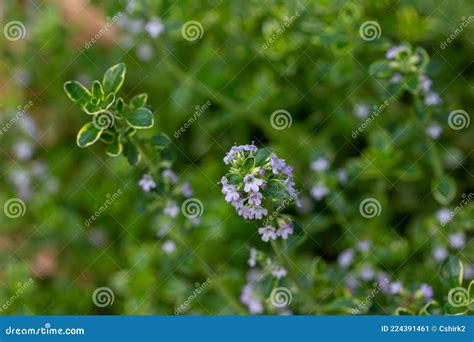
(241, 328)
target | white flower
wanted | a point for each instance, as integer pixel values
(319, 191)
(147, 183)
(169, 246)
(434, 130)
(171, 209)
(268, 233)
(252, 183)
(320, 164)
(154, 27)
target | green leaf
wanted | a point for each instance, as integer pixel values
(77, 92)
(470, 290)
(97, 90)
(130, 151)
(249, 163)
(115, 148)
(275, 190)
(140, 118)
(113, 78)
(263, 155)
(91, 108)
(404, 312)
(108, 101)
(88, 135)
(138, 101)
(107, 136)
(381, 69)
(233, 178)
(444, 189)
(452, 272)
(160, 141)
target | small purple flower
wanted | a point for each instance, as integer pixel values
(443, 216)
(440, 253)
(364, 245)
(249, 298)
(345, 258)
(319, 191)
(169, 174)
(320, 164)
(187, 189)
(169, 246)
(252, 183)
(342, 176)
(396, 287)
(432, 99)
(285, 230)
(154, 27)
(425, 84)
(277, 164)
(427, 291)
(279, 272)
(457, 240)
(171, 209)
(361, 111)
(268, 233)
(253, 257)
(147, 183)
(367, 273)
(255, 198)
(393, 51)
(258, 212)
(434, 130)
(261, 172)
(396, 78)
(229, 157)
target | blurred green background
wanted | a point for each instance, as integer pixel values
(317, 70)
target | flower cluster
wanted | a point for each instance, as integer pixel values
(406, 66)
(256, 179)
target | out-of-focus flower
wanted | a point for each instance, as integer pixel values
(147, 183)
(434, 130)
(427, 291)
(457, 240)
(320, 164)
(154, 27)
(361, 111)
(345, 258)
(171, 209)
(169, 246)
(279, 272)
(319, 191)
